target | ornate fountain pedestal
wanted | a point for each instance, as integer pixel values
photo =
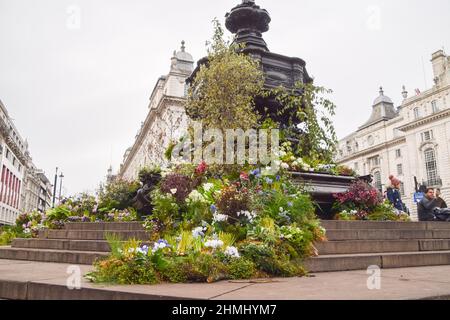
(322, 187)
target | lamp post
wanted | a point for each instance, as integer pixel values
(61, 176)
(54, 188)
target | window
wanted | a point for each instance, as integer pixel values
(402, 188)
(398, 153)
(356, 166)
(370, 140)
(416, 113)
(434, 106)
(377, 181)
(427, 136)
(431, 167)
(399, 169)
(374, 161)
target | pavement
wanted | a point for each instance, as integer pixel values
(27, 280)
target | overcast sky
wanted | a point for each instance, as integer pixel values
(78, 89)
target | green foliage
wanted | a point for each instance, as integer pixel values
(312, 110)
(118, 194)
(284, 209)
(115, 244)
(8, 234)
(56, 216)
(165, 208)
(241, 269)
(223, 91)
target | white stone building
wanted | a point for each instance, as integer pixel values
(412, 141)
(23, 188)
(166, 120)
(12, 168)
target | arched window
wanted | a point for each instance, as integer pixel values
(434, 106)
(416, 113)
(377, 181)
(431, 167)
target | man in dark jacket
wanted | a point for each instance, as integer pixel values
(429, 208)
(427, 205)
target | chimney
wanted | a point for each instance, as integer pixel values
(439, 61)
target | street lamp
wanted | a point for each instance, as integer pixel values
(54, 187)
(61, 176)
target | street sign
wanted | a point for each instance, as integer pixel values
(418, 196)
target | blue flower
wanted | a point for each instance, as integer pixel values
(278, 178)
(213, 208)
(256, 173)
(269, 181)
(290, 204)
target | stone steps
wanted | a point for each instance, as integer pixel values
(372, 225)
(347, 262)
(350, 246)
(378, 246)
(385, 234)
(111, 226)
(51, 255)
(356, 245)
(92, 234)
(62, 244)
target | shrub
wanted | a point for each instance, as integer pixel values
(178, 185)
(118, 194)
(241, 269)
(232, 201)
(361, 196)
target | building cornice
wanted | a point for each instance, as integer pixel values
(376, 148)
(423, 121)
(146, 126)
(424, 95)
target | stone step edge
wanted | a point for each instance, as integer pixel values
(351, 262)
(418, 244)
(39, 290)
(18, 243)
(88, 256)
(420, 225)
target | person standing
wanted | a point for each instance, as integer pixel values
(441, 203)
(427, 205)
(393, 194)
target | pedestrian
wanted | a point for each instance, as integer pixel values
(429, 211)
(394, 195)
(441, 203)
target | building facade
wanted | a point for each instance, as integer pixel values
(12, 164)
(411, 142)
(37, 189)
(23, 188)
(166, 120)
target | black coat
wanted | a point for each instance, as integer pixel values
(425, 209)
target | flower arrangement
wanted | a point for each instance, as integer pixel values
(239, 225)
(364, 202)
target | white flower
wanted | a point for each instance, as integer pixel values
(220, 217)
(173, 191)
(232, 252)
(208, 186)
(198, 232)
(214, 244)
(196, 196)
(159, 245)
(249, 215)
(284, 166)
